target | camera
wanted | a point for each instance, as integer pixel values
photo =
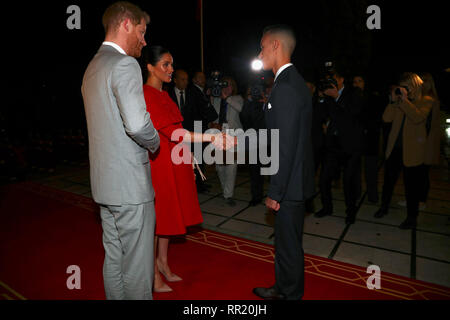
(216, 84)
(257, 91)
(257, 88)
(398, 92)
(326, 83)
(327, 80)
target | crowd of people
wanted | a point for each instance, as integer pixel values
(39, 152)
(353, 132)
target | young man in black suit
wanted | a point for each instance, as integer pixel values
(289, 111)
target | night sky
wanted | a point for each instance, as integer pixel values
(46, 61)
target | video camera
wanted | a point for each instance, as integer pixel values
(327, 80)
(326, 83)
(257, 89)
(216, 84)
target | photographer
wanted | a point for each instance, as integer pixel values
(230, 104)
(252, 117)
(407, 111)
(343, 141)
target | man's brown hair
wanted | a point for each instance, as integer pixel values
(119, 11)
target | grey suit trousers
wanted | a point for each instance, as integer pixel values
(128, 233)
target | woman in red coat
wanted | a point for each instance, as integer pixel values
(176, 201)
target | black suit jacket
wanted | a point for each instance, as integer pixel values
(196, 108)
(290, 112)
(346, 129)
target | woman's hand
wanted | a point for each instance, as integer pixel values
(223, 141)
(399, 98)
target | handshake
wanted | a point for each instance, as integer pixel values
(223, 141)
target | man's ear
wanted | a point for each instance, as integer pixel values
(127, 24)
(276, 43)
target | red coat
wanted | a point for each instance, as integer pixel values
(176, 200)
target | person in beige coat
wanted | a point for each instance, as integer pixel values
(433, 143)
(406, 147)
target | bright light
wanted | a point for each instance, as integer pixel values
(447, 121)
(257, 65)
(448, 132)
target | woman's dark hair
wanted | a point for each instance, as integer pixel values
(151, 55)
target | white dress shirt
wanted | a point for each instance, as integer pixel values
(178, 95)
(115, 46)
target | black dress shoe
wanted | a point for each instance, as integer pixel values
(268, 293)
(322, 213)
(350, 219)
(409, 223)
(380, 213)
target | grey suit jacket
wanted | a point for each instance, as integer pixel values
(120, 129)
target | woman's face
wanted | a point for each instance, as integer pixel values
(163, 70)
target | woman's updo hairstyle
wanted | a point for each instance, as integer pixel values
(151, 55)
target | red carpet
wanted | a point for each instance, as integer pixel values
(45, 230)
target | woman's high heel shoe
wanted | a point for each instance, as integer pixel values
(164, 288)
(173, 278)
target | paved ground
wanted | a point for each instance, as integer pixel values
(422, 254)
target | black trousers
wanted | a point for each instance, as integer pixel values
(371, 174)
(333, 162)
(289, 256)
(426, 183)
(413, 178)
(256, 181)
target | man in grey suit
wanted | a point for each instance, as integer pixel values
(120, 132)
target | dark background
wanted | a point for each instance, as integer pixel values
(46, 61)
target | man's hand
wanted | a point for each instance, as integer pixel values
(272, 204)
(332, 92)
(223, 141)
(215, 126)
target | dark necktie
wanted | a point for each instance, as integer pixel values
(223, 112)
(181, 99)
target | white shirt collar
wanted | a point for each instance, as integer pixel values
(199, 87)
(115, 46)
(177, 91)
(281, 69)
(340, 93)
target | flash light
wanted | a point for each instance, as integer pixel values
(257, 65)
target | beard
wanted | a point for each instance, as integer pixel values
(136, 52)
(135, 48)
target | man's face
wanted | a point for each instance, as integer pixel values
(311, 87)
(267, 52)
(358, 82)
(340, 81)
(199, 79)
(136, 40)
(181, 80)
